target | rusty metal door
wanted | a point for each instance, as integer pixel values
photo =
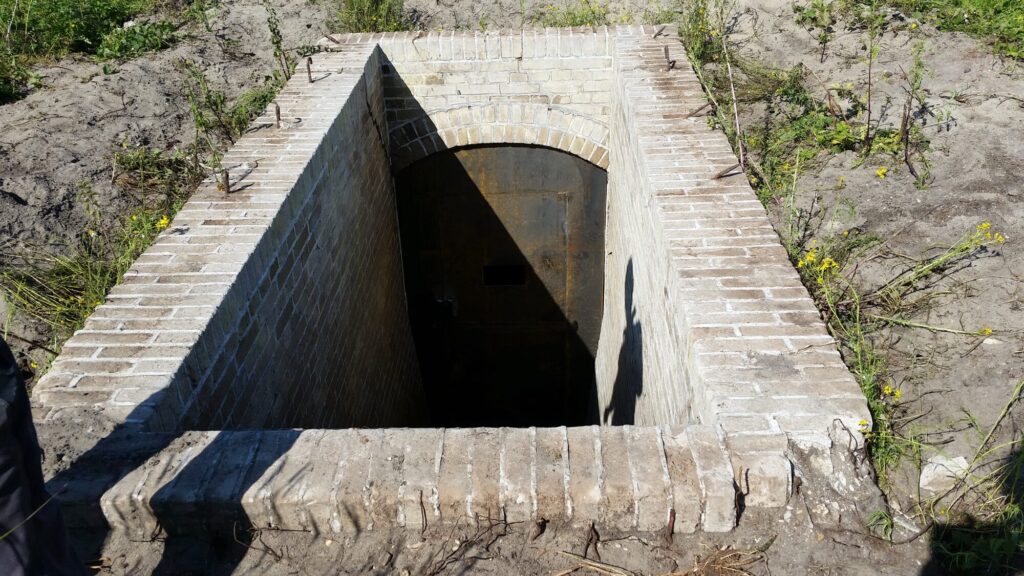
(493, 239)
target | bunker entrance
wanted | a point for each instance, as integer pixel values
(503, 255)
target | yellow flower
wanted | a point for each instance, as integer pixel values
(33, 365)
(863, 424)
(163, 223)
(999, 238)
(913, 26)
(828, 265)
(986, 331)
(887, 390)
(134, 217)
(881, 172)
(897, 394)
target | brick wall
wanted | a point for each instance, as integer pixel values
(444, 90)
(641, 370)
(278, 305)
(325, 341)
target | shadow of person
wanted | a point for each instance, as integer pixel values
(971, 545)
(629, 380)
(211, 532)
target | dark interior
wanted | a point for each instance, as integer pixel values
(503, 254)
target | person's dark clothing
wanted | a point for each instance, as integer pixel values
(35, 544)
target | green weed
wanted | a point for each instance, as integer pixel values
(34, 29)
(856, 317)
(198, 11)
(818, 15)
(14, 74)
(373, 16)
(217, 121)
(281, 57)
(1001, 22)
(61, 290)
(155, 178)
(578, 13)
(124, 43)
(882, 521)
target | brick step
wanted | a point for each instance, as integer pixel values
(343, 481)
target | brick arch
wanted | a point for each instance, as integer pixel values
(499, 123)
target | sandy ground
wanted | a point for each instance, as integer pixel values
(65, 133)
(790, 545)
(976, 157)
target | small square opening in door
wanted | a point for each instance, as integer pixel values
(505, 275)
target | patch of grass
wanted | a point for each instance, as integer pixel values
(153, 177)
(797, 128)
(46, 29)
(796, 132)
(14, 74)
(134, 41)
(857, 317)
(62, 289)
(1001, 22)
(216, 120)
(373, 16)
(578, 13)
(55, 27)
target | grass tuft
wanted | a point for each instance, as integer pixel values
(134, 41)
(373, 16)
(62, 289)
(1001, 22)
(47, 29)
(580, 13)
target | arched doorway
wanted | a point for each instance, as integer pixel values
(503, 254)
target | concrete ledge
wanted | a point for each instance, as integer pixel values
(353, 480)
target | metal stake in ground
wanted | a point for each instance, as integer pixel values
(277, 115)
(309, 69)
(699, 110)
(225, 181)
(670, 63)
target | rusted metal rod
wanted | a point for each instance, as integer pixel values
(309, 69)
(726, 172)
(225, 181)
(699, 110)
(277, 114)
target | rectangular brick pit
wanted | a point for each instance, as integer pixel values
(281, 305)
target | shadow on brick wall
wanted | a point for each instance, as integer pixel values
(629, 379)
